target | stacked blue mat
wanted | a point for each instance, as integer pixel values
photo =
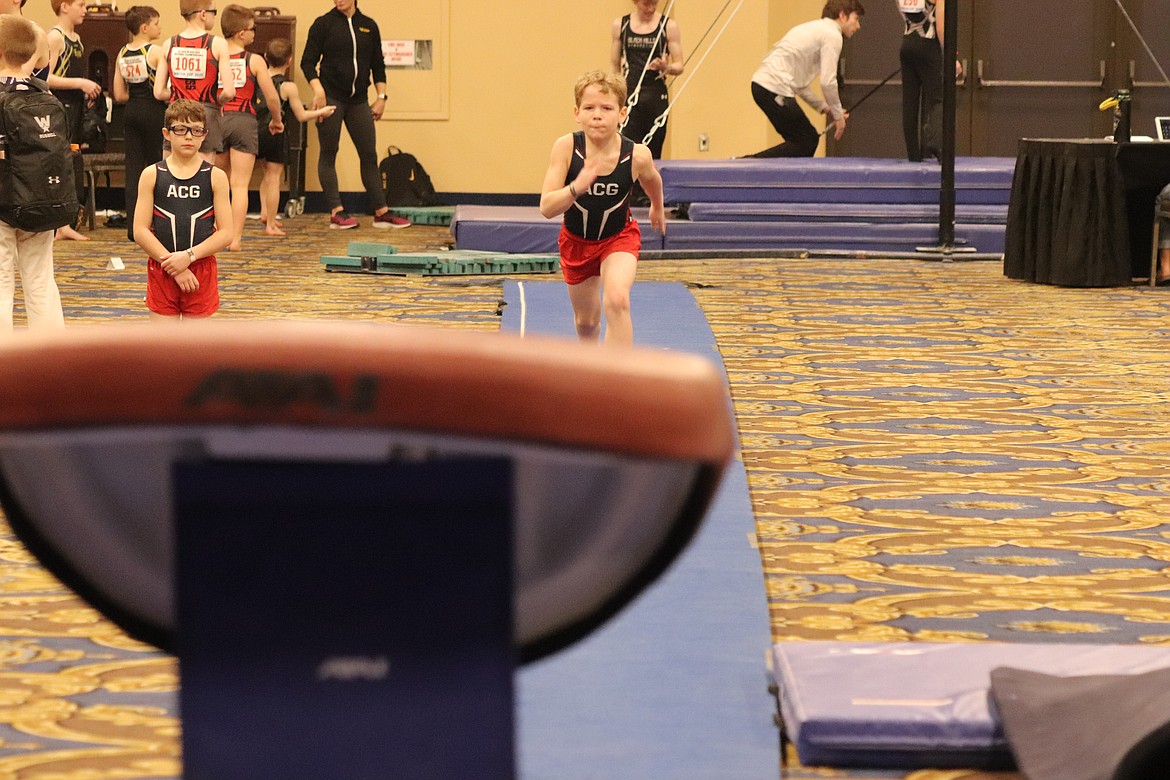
(819, 204)
(834, 203)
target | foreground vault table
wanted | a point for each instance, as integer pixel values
(1081, 211)
(350, 534)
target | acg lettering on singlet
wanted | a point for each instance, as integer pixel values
(184, 191)
(912, 6)
(601, 189)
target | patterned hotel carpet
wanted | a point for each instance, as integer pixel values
(934, 453)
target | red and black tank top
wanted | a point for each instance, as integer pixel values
(194, 70)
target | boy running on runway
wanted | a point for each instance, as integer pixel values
(589, 177)
(182, 219)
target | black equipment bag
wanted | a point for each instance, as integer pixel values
(94, 131)
(37, 187)
(405, 181)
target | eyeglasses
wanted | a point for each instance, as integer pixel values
(211, 11)
(182, 130)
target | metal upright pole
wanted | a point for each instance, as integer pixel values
(946, 203)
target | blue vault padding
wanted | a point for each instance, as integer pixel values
(345, 620)
(909, 705)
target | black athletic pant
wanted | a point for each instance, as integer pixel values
(360, 123)
(800, 137)
(142, 128)
(921, 96)
(651, 104)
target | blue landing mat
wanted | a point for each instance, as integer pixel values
(879, 213)
(522, 230)
(833, 179)
(675, 686)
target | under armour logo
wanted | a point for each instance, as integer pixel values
(54, 180)
(43, 123)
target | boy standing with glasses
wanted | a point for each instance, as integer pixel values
(182, 219)
(190, 66)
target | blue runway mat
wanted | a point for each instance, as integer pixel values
(675, 686)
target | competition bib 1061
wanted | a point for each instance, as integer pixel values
(912, 6)
(133, 68)
(188, 63)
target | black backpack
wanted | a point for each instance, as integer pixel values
(405, 181)
(37, 191)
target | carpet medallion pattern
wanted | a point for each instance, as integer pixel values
(934, 453)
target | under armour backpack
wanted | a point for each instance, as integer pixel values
(405, 181)
(37, 191)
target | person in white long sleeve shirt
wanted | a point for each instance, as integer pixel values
(808, 51)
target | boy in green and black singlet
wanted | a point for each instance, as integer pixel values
(134, 74)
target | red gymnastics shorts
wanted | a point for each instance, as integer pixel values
(163, 295)
(581, 259)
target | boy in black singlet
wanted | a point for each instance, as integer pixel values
(589, 177)
(182, 219)
(134, 72)
(274, 148)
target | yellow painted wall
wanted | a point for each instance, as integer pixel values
(511, 70)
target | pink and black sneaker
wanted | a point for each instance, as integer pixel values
(342, 221)
(388, 220)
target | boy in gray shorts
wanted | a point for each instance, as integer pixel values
(241, 140)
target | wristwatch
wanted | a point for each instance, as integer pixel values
(383, 96)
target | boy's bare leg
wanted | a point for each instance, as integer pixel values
(240, 176)
(1164, 263)
(617, 277)
(586, 300)
(270, 198)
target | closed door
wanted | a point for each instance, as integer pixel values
(1040, 69)
(1035, 69)
(873, 128)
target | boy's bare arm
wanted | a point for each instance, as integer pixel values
(647, 175)
(221, 193)
(555, 196)
(219, 49)
(186, 280)
(615, 47)
(289, 91)
(162, 80)
(144, 212)
(121, 91)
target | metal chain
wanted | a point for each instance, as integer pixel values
(632, 98)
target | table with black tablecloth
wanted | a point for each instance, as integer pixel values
(1082, 211)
